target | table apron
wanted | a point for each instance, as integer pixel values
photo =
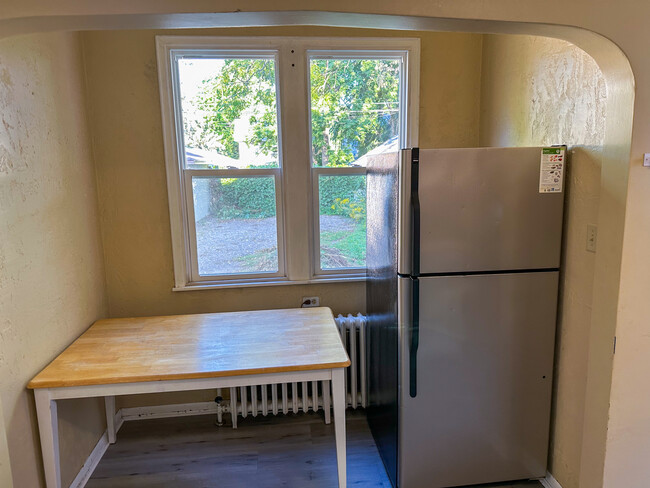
(113, 389)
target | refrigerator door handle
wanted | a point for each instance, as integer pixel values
(415, 338)
(415, 212)
(404, 229)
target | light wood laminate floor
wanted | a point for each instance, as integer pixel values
(295, 451)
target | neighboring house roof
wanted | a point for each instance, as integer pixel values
(202, 158)
(390, 146)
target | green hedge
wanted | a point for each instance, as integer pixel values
(242, 198)
(332, 188)
(254, 198)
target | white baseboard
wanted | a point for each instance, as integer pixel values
(96, 455)
(91, 463)
(549, 481)
(165, 411)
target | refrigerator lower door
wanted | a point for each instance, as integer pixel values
(484, 375)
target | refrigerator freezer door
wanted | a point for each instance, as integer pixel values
(481, 210)
(485, 366)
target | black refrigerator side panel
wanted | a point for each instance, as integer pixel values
(381, 303)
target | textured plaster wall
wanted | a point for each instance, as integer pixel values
(51, 264)
(539, 91)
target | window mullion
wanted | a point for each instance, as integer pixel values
(295, 159)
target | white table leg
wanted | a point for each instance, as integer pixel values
(48, 428)
(109, 406)
(338, 400)
(327, 398)
(314, 396)
(233, 407)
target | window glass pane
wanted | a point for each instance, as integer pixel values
(229, 112)
(354, 109)
(342, 209)
(236, 225)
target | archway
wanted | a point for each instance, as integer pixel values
(614, 176)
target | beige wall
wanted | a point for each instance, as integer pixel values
(51, 266)
(540, 91)
(125, 119)
(126, 126)
(617, 436)
(6, 479)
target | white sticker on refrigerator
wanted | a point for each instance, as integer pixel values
(551, 169)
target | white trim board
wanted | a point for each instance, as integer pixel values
(137, 413)
(95, 456)
(166, 411)
(91, 463)
(549, 481)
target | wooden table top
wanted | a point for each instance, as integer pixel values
(210, 345)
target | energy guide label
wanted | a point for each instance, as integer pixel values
(551, 169)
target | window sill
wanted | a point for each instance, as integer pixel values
(214, 285)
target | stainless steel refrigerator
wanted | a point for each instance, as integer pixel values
(463, 257)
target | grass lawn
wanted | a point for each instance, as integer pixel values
(340, 247)
(344, 249)
(262, 260)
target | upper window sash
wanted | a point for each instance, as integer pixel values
(186, 56)
(408, 59)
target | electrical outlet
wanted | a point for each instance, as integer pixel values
(592, 236)
(310, 302)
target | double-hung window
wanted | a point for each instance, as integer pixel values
(266, 144)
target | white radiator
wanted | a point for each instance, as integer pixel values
(306, 396)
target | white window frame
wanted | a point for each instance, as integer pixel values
(295, 179)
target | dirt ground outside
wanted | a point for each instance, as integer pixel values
(232, 246)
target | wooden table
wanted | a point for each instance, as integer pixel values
(192, 352)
